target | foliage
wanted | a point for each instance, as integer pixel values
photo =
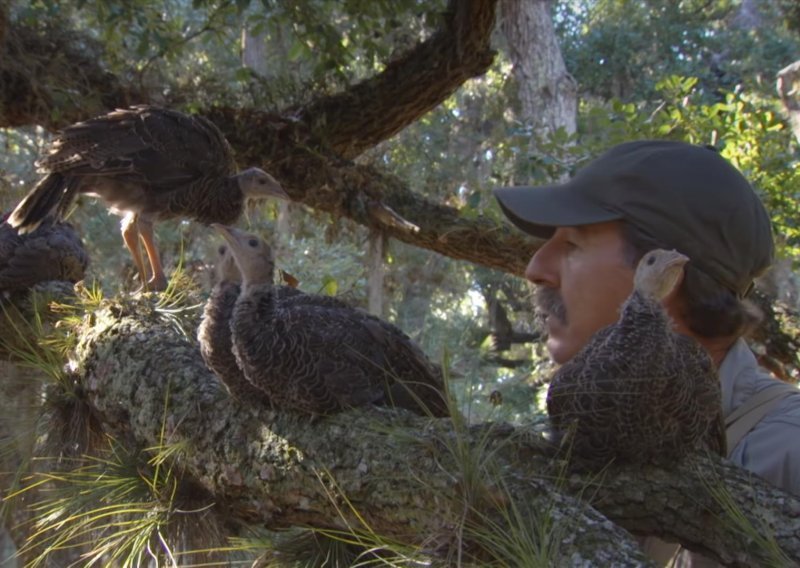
(623, 48)
(747, 128)
(190, 49)
(121, 508)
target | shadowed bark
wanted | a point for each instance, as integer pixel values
(52, 77)
(398, 471)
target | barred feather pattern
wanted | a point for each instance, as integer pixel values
(638, 392)
(214, 336)
(147, 160)
(317, 355)
(54, 251)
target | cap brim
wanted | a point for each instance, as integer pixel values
(539, 210)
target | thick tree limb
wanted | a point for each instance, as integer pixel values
(370, 112)
(679, 505)
(353, 191)
(280, 469)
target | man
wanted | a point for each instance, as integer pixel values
(663, 194)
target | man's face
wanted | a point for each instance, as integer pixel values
(582, 278)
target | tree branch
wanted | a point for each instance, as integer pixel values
(327, 183)
(402, 473)
(374, 110)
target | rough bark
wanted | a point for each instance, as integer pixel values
(548, 94)
(398, 471)
(358, 119)
(362, 193)
(53, 77)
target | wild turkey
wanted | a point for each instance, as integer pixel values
(638, 391)
(316, 354)
(214, 333)
(147, 164)
(53, 251)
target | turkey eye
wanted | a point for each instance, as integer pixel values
(253, 243)
(651, 260)
(221, 250)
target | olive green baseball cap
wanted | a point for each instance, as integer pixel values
(684, 196)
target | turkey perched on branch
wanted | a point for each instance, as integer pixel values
(639, 391)
(316, 354)
(147, 164)
(214, 333)
(53, 251)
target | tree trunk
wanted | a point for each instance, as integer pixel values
(254, 53)
(548, 94)
(407, 478)
(375, 272)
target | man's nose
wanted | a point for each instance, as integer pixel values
(540, 269)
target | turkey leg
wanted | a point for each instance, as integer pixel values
(130, 234)
(158, 281)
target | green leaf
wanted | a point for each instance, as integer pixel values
(329, 285)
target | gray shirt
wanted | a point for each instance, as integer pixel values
(771, 449)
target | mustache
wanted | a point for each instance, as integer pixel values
(548, 302)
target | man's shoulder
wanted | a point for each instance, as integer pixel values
(770, 449)
(742, 380)
(787, 411)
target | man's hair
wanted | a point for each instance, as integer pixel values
(712, 310)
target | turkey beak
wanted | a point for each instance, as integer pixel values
(275, 190)
(272, 189)
(678, 260)
(672, 273)
(230, 235)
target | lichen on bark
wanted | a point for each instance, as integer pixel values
(411, 479)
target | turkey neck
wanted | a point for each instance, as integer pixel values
(261, 288)
(645, 320)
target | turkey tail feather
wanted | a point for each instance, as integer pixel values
(55, 191)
